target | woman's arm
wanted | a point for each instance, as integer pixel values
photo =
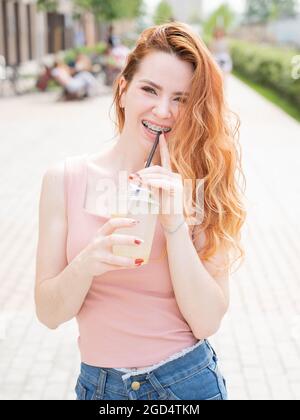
(60, 288)
(202, 294)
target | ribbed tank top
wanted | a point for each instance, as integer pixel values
(129, 318)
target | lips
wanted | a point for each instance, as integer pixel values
(151, 135)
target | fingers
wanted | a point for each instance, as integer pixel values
(164, 153)
(115, 223)
(121, 262)
(115, 239)
(152, 176)
(153, 169)
(165, 185)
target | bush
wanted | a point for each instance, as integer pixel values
(98, 49)
(268, 66)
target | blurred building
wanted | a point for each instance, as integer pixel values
(186, 10)
(278, 32)
(17, 28)
(27, 33)
(286, 31)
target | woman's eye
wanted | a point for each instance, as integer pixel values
(151, 90)
(148, 89)
(181, 100)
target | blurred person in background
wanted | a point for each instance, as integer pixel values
(82, 63)
(144, 328)
(43, 78)
(111, 39)
(113, 61)
(220, 50)
(75, 77)
(76, 81)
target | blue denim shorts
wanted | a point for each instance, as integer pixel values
(192, 376)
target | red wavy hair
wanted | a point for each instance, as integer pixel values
(204, 143)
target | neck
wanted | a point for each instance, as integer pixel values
(133, 158)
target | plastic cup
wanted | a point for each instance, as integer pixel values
(144, 207)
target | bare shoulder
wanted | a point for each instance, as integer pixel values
(55, 172)
(96, 159)
(51, 249)
(52, 192)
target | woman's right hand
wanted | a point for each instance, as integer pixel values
(98, 258)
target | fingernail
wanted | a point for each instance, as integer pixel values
(131, 177)
(138, 242)
(139, 261)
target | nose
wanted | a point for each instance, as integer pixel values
(162, 109)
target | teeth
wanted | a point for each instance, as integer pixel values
(155, 127)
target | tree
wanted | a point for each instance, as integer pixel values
(262, 11)
(163, 13)
(285, 8)
(222, 17)
(107, 10)
(257, 10)
(47, 5)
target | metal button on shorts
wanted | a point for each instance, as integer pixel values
(135, 385)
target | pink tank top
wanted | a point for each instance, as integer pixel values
(130, 318)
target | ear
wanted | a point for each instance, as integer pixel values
(122, 89)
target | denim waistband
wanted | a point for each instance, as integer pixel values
(193, 375)
(139, 371)
(190, 361)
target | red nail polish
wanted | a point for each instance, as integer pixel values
(137, 242)
(138, 261)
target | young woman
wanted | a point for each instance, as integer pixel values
(144, 328)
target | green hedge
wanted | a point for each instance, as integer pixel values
(268, 66)
(97, 49)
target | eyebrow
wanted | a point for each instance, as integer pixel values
(160, 88)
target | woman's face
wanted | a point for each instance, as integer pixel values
(154, 96)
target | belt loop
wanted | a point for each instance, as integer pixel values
(212, 350)
(157, 385)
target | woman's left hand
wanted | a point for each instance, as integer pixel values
(162, 178)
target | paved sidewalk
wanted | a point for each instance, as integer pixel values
(259, 342)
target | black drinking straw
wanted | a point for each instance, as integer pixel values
(149, 160)
(150, 157)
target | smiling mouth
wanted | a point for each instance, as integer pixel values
(155, 128)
